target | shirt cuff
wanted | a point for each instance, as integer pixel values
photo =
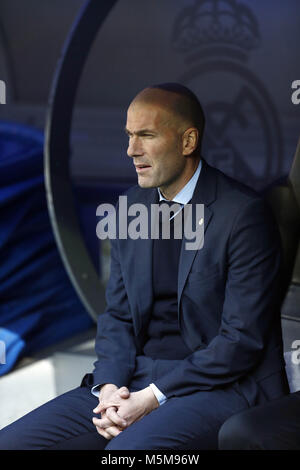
(96, 390)
(161, 398)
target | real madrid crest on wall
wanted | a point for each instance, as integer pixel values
(243, 132)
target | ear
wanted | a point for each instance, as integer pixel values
(190, 141)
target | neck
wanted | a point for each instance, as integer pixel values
(169, 192)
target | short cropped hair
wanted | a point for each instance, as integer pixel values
(187, 106)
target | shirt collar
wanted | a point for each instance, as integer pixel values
(186, 193)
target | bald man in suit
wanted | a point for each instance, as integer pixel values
(189, 336)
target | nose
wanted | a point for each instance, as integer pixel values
(134, 147)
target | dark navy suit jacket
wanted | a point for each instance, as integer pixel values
(232, 284)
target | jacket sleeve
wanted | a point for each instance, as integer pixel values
(253, 262)
(115, 344)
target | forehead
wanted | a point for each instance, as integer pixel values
(145, 116)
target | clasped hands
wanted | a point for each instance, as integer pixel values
(119, 408)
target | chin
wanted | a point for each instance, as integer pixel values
(146, 184)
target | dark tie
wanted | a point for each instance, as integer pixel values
(171, 219)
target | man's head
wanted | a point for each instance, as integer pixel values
(165, 126)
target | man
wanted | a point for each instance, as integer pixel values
(189, 337)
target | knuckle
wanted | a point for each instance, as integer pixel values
(109, 413)
(113, 431)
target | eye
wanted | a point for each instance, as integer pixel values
(148, 135)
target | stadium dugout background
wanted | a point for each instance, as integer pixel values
(70, 69)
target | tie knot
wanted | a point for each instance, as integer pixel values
(169, 203)
(169, 213)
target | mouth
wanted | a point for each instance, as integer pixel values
(141, 168)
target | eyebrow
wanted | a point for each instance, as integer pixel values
(141, 132)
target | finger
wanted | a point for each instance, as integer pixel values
(108, 433)
(102, 406)
(113, 431)
(96, 410)
(104, 433)
(113, 416)
(124, 392)
(102, 423)
(106, 421)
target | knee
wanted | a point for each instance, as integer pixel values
(123, 443)
(10, 440)
(134, 439)
(237, 433)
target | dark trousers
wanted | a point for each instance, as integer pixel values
(189, 422)
(274, 426)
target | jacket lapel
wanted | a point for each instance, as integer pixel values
(143, 255)
(205, 193)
